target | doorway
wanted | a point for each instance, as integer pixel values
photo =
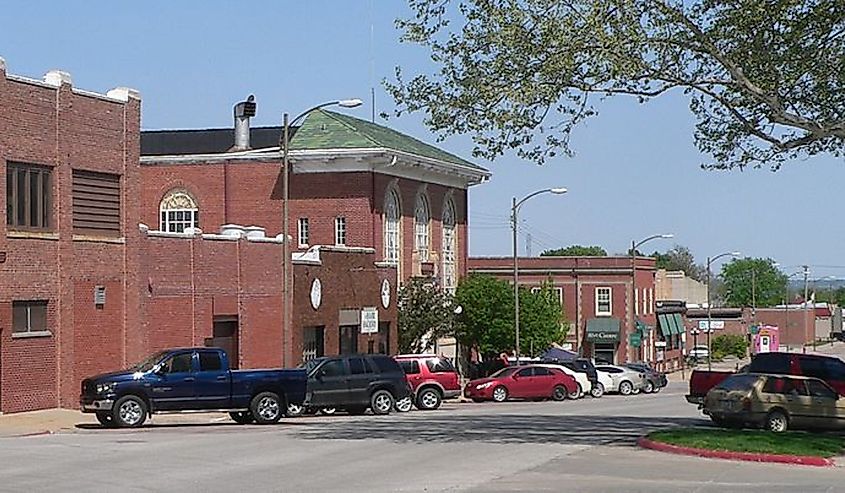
(312, 343)
(348, 339)
(225, 337)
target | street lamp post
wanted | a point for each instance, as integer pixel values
(287, 298)
(709, 316)
(631, 305)
(514, 223)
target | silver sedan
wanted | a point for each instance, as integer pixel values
(625, 380)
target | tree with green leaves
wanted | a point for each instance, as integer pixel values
(763, 78)
(752, 281)
(426, 313)
(486, 321)
(680, 258)
(576, 251)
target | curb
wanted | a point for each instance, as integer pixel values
(29, 434)
(743, 456)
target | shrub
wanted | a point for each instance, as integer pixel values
(727, 344)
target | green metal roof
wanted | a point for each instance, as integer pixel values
(329, 130)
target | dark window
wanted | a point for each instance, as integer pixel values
(386, 365)
(384, 337)
(348, 339)
(333, 368)
(181, 363)
(29, 316)
(525, 372)
(210, 361)
(820, 389)
(96, 203)
(439, 365)
(835, 369)
(541, 372)
(411, 367)
(738, 382)
(770, 363)
(785, 386)
(358, 366)
(28, 196)
(813, 367)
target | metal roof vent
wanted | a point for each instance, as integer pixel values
(243, 112)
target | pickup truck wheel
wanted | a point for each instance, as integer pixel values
(129, 412)
(625, 388)
(429, 399)
(577, 393)
(597, 390)
(295, 410)
(106, 420)
(381, 402)
(559, 393)
(266, 407)
(777, 422)
(242, 417)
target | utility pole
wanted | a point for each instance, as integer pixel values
(806, 307)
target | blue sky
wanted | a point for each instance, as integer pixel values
(636, 171)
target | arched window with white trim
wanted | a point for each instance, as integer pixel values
(178, 211)
(450, 247)
(392, 228)
(422, 227)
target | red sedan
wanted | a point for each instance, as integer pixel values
(522, 382)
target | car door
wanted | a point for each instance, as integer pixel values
(544, 381)
(173, 386)
(328, 384)
(522, 383)
(213, 382)
(825, 406)
(361, 374)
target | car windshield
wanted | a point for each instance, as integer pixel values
(738, 382)
(148, 363)
(504, 372)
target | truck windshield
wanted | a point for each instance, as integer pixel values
(148, 363)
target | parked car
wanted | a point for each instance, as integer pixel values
(190, 379)
(431, 378)
(625, 380)
(355, 383)
(699, 352)
(581, 380)
(605, 381)
(655, 380)
(582, 365)
(828, 368)
(775, 402)
(522, 382)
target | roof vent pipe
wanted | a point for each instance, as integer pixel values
(243, 112)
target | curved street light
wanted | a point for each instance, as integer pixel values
(710, 260)
(631, 308)
(284, 144)
(514, 211)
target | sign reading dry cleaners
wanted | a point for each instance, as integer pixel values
(602, 336)
(369, 320)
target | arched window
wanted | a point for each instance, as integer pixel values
(450, 247)
(178, 211)
(392, 233)
(422, 226)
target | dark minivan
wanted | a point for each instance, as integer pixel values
(356, 382)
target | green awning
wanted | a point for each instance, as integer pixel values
(679, 323)
(603, 329)
(663, 322)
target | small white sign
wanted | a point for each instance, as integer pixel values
(714, 324)
(660, 344)
(369, 320)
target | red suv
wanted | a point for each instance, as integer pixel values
(431, 378)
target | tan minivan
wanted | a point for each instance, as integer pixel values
(775, 402)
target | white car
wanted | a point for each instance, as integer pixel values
(699, 352)
(625, 380)
(580, 378)
(603, 385)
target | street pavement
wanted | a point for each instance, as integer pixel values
(586, 445)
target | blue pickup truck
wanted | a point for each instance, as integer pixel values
(191, 379)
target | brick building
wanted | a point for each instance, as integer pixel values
(796, 323)
(596, 295)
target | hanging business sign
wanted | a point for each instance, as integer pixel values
(714, 325)
(369, 320)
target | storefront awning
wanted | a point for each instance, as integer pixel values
(603, 330)
(670, 324)
(663, 322)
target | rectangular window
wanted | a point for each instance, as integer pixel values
(603, 303)
(210, 361)
(651, 300)
(645, 301)
(348, 339)
(29, 204)
(303, 232)
(636, 301)
(340, 230)
(29, 316)
(96, 203)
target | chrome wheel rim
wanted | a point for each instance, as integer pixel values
(130, 412)
(625, 388)
(382, 402)
(500, 394)
(268, 408)
(295, 409)
(429, 399)
(328, 410)
(404, 405)
(577, 393)
(560, 393)
(649, 388)
(597, 390)
(777, 423)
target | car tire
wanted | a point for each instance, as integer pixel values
(242, 417)
(404, 405)
(476, 399)
(328, 411)
(295, 410)
(718, 421)
(597, 391)
(106, 419)
(267, 408)
(777, 422)
(559, 393)
(356, 410)
(382, 402)
(649, 388)
(635, 391)
(429, 399)
(500, 394)
(577, 393)
(626, 388)
(129, 411)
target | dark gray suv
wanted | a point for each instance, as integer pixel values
(355, 382)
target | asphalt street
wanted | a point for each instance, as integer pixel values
(584, 445)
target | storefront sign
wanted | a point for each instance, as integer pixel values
(714, 324)
(602, 336)
(660, 344)
(369, 320)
